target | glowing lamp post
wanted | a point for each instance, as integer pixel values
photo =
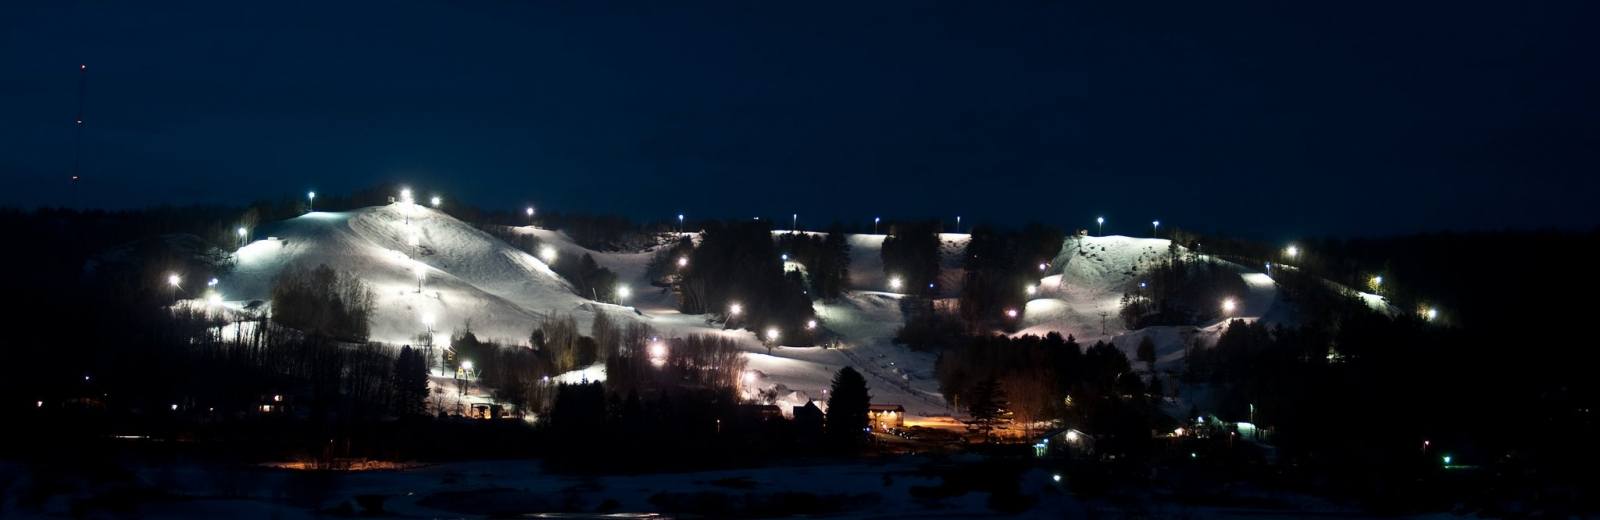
(895, 283)
(875, 224)
(1101, 221)
(176, 282)
(622, 293)
(772, 335)
(683, 261)
(436, 201)
(1154, 226)
(680, 223)
(1292, 251)
(958, 223)
(548, 254)
(529, 212)
(1229, 305)
(794, 222)
(734, 310)
(1043, 266)
(311, 201)
(811, 324)
(244, 235)
(1031, 290)
(1011, 313)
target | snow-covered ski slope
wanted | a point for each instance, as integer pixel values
(471, 275)
(1082, 294)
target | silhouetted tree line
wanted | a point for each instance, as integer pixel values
(911, 252)
(323, 302)
(826, 259)
(999, 266)
(1182, 289)
(737, 262)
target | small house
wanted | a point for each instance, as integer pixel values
(885, 417)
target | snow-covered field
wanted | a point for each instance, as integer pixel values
(471, 275)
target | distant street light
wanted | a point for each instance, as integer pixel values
(811, 324)
(435, 201)
(1154, 225)
(548, 254)
(683, 261)
(622, 293)
(244, 235)
(1043, 266)
(735, 309)
(1292, 251)
(680, 223)
(529, 211)
(772, 334)
(1102, 222)
(1228, 305)
(895, 283)
(1031, 289)
(958, 223)
(174, 280)
(311, 201)
(794, 222)
(1011, 313)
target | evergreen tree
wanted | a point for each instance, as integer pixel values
(987, 406)
(410, 382)
(847, 409)
(1147, 353)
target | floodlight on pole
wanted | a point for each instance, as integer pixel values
(548, 254)
(623, 293)
(405, 195)
(244, 234)
(875, 224)
(734, 309)
(435, 201)
(772, 334)
(1011, 313)
(311, 201)
(1031, 289)
(958, 223)
(174, 280)
(1228, 305)
(794, 222)
(680, 223)
(811, 324)
(895, 283)
(683, 261)
(1101, 221)
(1155, 225)
(1292, 251)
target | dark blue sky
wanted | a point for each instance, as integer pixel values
(1272, 119)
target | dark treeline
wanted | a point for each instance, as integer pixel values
(911, 254)
(738, 263)
(825, 260)
(1181, 289)
(999, 267)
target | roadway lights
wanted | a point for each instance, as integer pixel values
(1228, 305)
(875, 224)
(680, 223)
(895, 283)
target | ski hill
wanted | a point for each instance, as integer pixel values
(471, 275)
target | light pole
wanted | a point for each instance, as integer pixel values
(244, 235)
(875, 225)
(1102, 222)
(529, 211)
(680, 223)
(622, 293)
(177, 284)
(311, 201)
(794, 222)
(436, 200)
(1154, 225)
(958, 224)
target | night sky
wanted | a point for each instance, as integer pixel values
(1271, 120)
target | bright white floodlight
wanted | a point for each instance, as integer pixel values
(213, 299)
(466, 365)
(1043, 266)
(683, 261)
(1031, 289)
(242, 232)
(811, 324)
(1011, 313)
(623, 292)
(529, 211)
(405, 195)
(436, 200)
(548, 254)
(895, 283)
(311, 201)
(1291, 251)
(174, 280)
(1228, 305)
(1102, 222)
(772, 334)
(1377, 281)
